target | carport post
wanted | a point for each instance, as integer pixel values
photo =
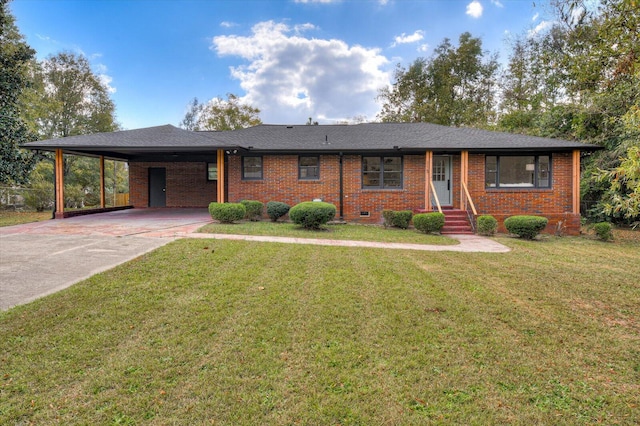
(102, 192)
(59, 184)
(427, 180)
(220, 188)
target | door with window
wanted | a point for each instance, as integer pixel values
(441, 177)
(157, 187)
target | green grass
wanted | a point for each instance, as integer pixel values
(8, 218)
(333, 231)
(240, 333)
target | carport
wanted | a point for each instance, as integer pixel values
(170, 167)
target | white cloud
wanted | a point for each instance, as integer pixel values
(411, 38)
(105, 79)
(474, 9)
(291, 77)
(497, 3)
(535, 17)
(541, 27)
(227, 24)
(423, 47)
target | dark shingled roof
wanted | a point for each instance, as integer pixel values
(323, 138)
(386, 136)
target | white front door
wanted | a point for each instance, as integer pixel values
(442, 178)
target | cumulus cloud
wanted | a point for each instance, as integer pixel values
(474, 9)
(540, 28)
(103, 77)
(535, 17)
(411, 38)
(291, 77)
(227, 24)
(497, 3)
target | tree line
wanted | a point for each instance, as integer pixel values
(578, 80)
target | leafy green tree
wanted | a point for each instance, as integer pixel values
(15, 54)
(456, 86)
(70, 99)
(220, 114)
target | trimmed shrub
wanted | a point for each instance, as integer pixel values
(487, 225)
(387, 215)
(402, 218)
(276, 209)
(312, 214)
(227, 212)
(526, 227)
(429, 222)
(603, 231)
(254, 209)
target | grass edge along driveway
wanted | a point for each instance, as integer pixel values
(203, 331)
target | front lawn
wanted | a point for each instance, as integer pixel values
(8, 218)
(352, 232)
(245, 333)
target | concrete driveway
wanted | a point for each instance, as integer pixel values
(41, 258)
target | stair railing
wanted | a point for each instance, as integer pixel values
(435, 196)
(469, 207)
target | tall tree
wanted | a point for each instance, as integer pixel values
(456, 86)
(15, 54)
(220, 114)
(70, 99)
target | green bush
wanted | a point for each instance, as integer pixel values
(487, 225)
(387, 215)
(277, 209)
(254, 209)
(526, 227)
(402, 219)
(312, 214)
(603, 231)
(227, 212)
(429, 222)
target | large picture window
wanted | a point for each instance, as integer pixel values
(251, 168)
(382, 172)
(518, 171)
(309, 167)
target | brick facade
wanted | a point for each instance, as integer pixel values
(187, 184)
(554, 203)
(280, 183)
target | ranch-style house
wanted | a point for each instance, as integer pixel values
(362, 169)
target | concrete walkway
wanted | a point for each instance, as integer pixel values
(40, 258)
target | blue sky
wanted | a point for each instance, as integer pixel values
(293, 59)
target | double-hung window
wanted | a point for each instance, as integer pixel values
(382, 172)
(251, 168)
(518, 171)
(309, 167)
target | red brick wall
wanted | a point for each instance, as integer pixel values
(187, 184)
(554, 203)
(187, 187)
(280, 183)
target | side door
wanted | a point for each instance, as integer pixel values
(157, 187)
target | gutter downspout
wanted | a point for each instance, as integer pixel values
(341, 189)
